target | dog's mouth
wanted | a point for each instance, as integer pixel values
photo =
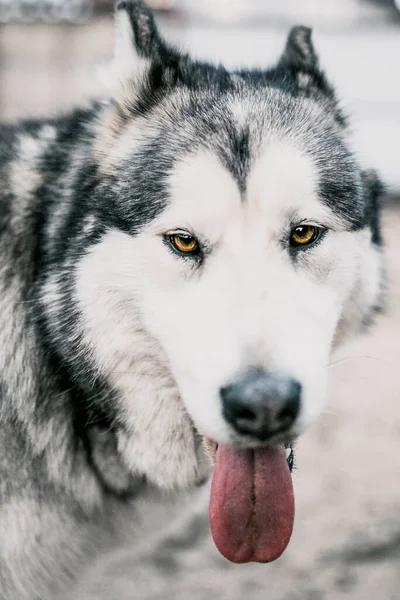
(252, 501)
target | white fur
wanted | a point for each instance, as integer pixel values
(109, 294)
(170, 336)
(24, 175)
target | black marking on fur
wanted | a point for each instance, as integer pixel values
(374, 191)
(340, 182)
(237, 156)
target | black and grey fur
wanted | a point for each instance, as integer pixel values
(91, 402)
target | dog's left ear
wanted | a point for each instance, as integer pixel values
(300, 62)
(299, 53)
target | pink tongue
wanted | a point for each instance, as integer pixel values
(252, 504)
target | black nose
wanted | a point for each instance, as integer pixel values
(261, 404)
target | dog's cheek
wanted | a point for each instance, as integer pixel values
(160, 443)
(157, 439)
(366, 296)
(314, 396)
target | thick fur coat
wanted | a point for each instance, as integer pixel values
(112, 348)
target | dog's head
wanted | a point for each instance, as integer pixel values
(238, 241)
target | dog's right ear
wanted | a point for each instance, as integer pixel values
(143, 65)
(137, 41)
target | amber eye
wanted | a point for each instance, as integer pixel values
(304, 235)
(184, 243)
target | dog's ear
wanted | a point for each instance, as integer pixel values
(300, 62)
(144, 64)
(299, 53)
(143, 67)
(137, 41)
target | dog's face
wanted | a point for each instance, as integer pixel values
(235, 282)
(247, 248)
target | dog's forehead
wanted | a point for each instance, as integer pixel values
(282, 180)
(281, 185)
(258, 149)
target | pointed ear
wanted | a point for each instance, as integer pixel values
(299, 53)
(300, 62)
(137, 41)
(143, 66)
(136, 30)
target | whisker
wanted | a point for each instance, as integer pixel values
(132, 373)
(331, 411)
(365, 356)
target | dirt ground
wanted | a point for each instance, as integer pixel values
(346, 542)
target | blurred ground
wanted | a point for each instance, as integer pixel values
(346, 542)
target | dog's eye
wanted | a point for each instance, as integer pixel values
(184, 243)
(304, 235)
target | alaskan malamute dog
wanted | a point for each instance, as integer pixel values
(176, 265)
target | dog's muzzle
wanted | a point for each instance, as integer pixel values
(261, 404)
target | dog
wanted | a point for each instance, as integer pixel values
(177, 264)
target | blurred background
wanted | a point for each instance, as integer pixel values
(346, 542)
